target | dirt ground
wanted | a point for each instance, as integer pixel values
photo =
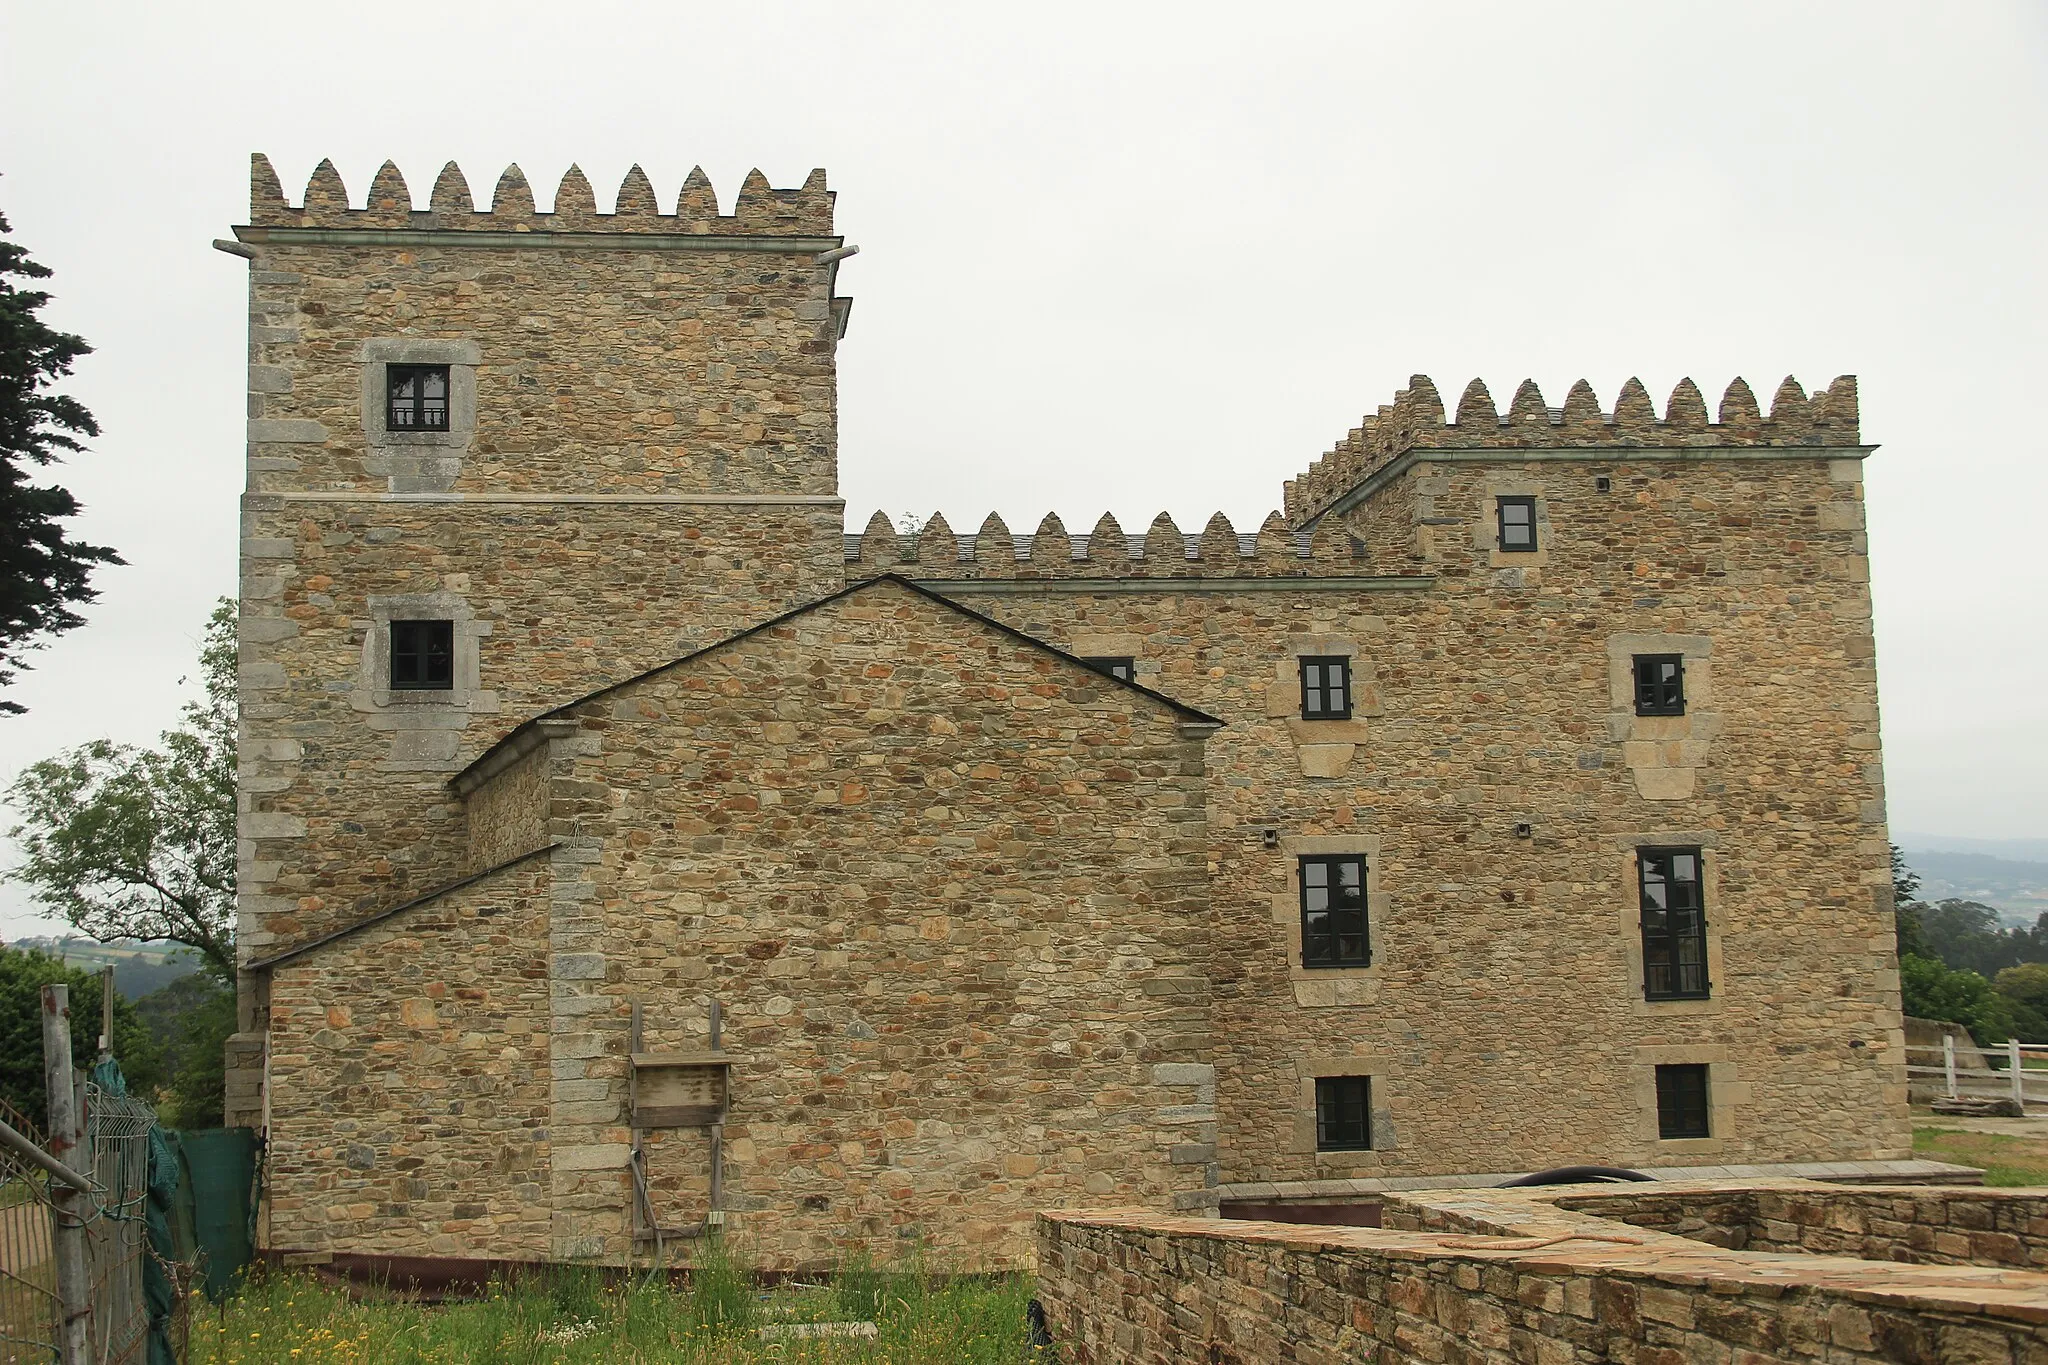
(2011, 1151)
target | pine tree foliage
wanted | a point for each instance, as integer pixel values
(44, 573)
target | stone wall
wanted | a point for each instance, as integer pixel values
(1931, 1227)
(1130, 1288)
(948, 888)
(409, 1081)
(506, 814)
(1502, 1020)
(641, 458)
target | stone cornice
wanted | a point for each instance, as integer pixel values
(1066, 587)
(1605, 455)
(534, 241)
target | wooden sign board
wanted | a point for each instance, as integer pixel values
(679, 1090)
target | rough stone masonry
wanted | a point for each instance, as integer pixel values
(1024, 871)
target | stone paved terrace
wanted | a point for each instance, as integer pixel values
(1541, 1275)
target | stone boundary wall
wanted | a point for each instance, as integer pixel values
(1927, 1227)
(759, 211)
(1415, 421)
(1510, 1276)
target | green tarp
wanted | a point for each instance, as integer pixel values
(214, 1202)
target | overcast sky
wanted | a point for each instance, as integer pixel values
(1138, 259)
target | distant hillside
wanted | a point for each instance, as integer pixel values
(139, 968)
(2017, 889)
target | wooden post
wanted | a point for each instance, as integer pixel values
(714, 1213)
(1948, 1061)
(67, 1205)
(106, 1013)
(2019, 1076)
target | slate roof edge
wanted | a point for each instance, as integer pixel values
(321, 941)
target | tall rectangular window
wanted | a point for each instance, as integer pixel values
(422, 656)
(1343, 1113)
(1325, 687)
(418, 397)
(1117, 666)
(1333, 929)
(1660, 684)
(1674, 924)
(1517, 518)
(1682, 1110)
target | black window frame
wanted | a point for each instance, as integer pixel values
(1685, 1101)
(412, 412)
(1315, 695)
(1656, 695)
(1500, 519)
(1674, 932)
(1343, 1113)
(1122, 667)
(422, 656)
(1345, 941)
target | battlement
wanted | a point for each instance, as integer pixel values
(1415, 421)
(1163, 550)
(760, 210)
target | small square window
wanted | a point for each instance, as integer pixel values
(1674, 924)
(1325, 688)
(417, 397)
(1343, 1113)
(1517, 524)
(1117, 666)
(422, 656)
(1660, 684)
(1333, 927)
(1682, 1110)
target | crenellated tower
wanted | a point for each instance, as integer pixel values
(497, 457)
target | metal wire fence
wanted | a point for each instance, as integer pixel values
(117, 1237)
(28, 1269)
(119, 1260)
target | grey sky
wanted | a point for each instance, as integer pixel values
(1139, 259)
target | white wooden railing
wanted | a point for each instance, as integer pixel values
(2017, 1071)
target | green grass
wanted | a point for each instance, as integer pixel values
(576, 1315)
(2006, 1160)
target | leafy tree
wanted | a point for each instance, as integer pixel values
(126, 842)
(43, 572)
(1971, 937)
(1933, 990)
(1905, 907)
(22, 978)
(192, 1017)
(2025, 989)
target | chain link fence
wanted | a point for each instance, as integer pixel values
(29, 1309)
(135, 1296)
(117, 1235)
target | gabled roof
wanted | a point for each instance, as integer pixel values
(322, 940)
(521, 735)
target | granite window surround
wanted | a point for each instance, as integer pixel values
(1374, 1070)
(425, 724)
(1343, 1113)
(414, 460)
(1337, 985)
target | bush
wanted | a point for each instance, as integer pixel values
(22, 978)
(192, 1017)
(2025, 991)
(1934, 991)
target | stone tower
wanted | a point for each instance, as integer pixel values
(530, 452)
